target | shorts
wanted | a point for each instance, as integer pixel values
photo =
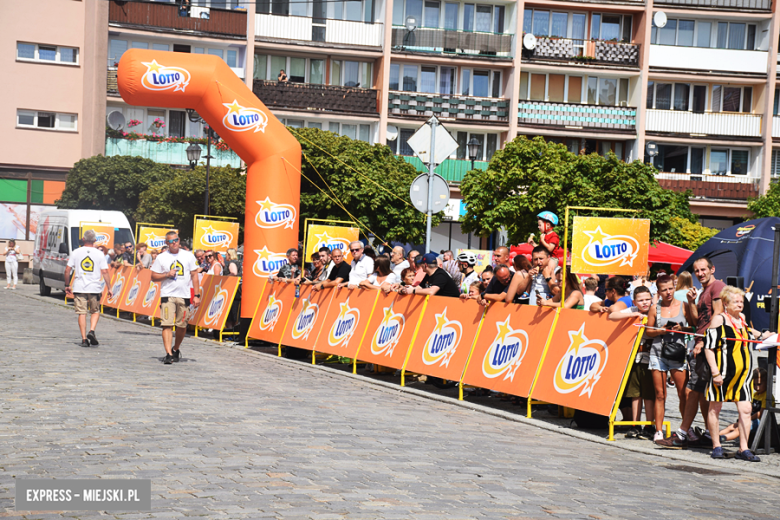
(696, 383)
(173, 312)
(86, 303)
(640, 382)
(665, 365)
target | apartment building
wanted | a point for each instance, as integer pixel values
(696, 80)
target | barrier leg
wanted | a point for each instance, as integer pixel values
(460, 390)
(313, 357)
(403, 377)
(117, 311)
(354, 366)
(196, 331)
(133, 317)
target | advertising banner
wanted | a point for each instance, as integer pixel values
(216, 235)
(137, 281)
(104, 235)
(217, 301)
(586, 361)
(194, 313)
(509, 348)
(332, 237)
(610, 245)
(270, 319)
(119, 283)
(308, 315)
(345, 322)
(445, 338)
(154, 237)
(391, 329)
(484, 258)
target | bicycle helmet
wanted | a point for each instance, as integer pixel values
(549, 216)
(467, 257)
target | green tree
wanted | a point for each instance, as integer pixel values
(767, 205)
(180, 197)
(111, 183)
(531, 175)
(368, 180)
(687, 234)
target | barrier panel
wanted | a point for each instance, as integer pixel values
(135, 281)
(391, 329)
(345, 322)
(308, 315)
(586, 360)
(149, 301)
(272, 311)
(445, 337)
(216, 302)
(194, 313)
(509, 348)
(119, 284)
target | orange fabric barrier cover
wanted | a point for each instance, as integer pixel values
(137, 281)
(273, 156)
(345, 322)
(119, 284)
(272, 312)
(509, 348)
(111, 275)
(217, 301)
(446, 336)
(391, 329)
(308, 315)
(586, 361)
(194, 313)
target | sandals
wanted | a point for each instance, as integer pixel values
(747, 455)
(717, 453)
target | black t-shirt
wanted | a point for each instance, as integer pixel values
(496, 287)
(445, 283)
(340, 271)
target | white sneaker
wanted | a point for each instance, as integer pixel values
(659, 436)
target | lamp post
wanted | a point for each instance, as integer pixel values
(195, 118)
(193, 154)
(473, 146)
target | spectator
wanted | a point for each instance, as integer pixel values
(290, 272)
(338, 273)
(474, 292)
(312, 275)
(617, 294)
(111, 257)
(420, 273)
(466, 261)
(731, 369)
(127, 256)
(382, 277)
(119, 255)
(684, 284)
(200, 257)
(486, 276)
(591, 285)
(668, 350)
(103, 250)
(541, 273)
(407, 277)
(436, 280)
(397, 261)
(518, 287)
(12, 254)
(369, 252)
(282, 77)
(496, 289)
(362, 266)
(574, 298)
(215, 267)
(233, 265)
(501, 256)
(411, 257)
(450, 265)
(548, 238)
(143, 260)
(153, 254)
(327, 263)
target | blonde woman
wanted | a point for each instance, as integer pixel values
(233, 264)
(12, 254)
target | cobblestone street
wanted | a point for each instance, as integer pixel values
(232, 433)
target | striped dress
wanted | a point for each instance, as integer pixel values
(734, 360)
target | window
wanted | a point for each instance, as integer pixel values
(682, 93)
(431, 14)
(48, 53)
(428, 80)
(739, 162)
(484, 18)
(672, 159)
(317, 72)
(232, 58)
(450, 15)
(410, 78)
(719, 162)
(446, 80)
(261, 66)
(561, 88)
(394, 72)
(403, 146)
(47, 120)
(160, 47)
(465, 82)
(355, 74)
(703, 36)
(481, 83)
(699, 33)
(677, 96)
(608, 26)
(732, 99)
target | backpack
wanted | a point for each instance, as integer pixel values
(590, 421)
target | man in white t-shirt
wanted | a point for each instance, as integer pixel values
(90, 269)
(362, 266)
(177, 270)
(398, 264)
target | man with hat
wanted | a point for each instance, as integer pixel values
(436, 280)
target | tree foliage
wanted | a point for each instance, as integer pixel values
(180, 197)
(373, 186)
(111, 183)
(767, 205)
(531, 175)
(689, 235)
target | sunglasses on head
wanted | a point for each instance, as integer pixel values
(172, 241)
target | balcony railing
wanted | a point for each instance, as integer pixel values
(732, 5)
(167, 153)
(775, 126)
(680, 122)
(576, 115)
(337, 32)
(140, 14)
(316, 97)
(697, 58)
(425, 39)
(453, 170)
(585, 51)
(460, 108)
(733, 187)
(112, 87)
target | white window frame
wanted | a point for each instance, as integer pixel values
(691, 86)
(57, 58)
(741, 98)
(713, 32)
(729, 151)
(584, 88)
(57, 116)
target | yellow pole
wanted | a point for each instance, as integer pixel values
(411, 344)
(468, 360)
(541, 360)
(625, 381)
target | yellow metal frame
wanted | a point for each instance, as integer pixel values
(414, 338)
(473, 345)
(541, 361)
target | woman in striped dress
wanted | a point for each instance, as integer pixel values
(731, 364)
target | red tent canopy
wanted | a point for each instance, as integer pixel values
(660, 253)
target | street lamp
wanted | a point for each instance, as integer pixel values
(473, 146)
(195, 118)
(193, 154)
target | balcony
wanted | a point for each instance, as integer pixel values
(568, 115)
(319, 30)
(201, 21)
(725, 124)
(427, 40)
(730, 5)
(597, 52)
(731, 187)
(167, 153)
(775, 126)
(112, 87)
(453, 170)
(447, 107)
(316, 97)
(710, 60)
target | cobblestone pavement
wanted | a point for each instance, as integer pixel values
(229, 433)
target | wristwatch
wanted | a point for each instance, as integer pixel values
(197, 296)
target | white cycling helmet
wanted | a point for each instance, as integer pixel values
(467, 257)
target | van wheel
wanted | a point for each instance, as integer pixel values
(44, 290)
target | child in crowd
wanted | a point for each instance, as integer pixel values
(591, 286)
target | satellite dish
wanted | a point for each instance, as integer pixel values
(116, 121)
(392, 133)
(659, 19)
(529, 41)
(651, 148)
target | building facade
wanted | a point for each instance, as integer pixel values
(697, 80)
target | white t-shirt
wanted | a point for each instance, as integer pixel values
(398, 269)
(185, 263)
(10, 253)
(87, 264)
(391, 279)
(361, 270)
(468, 279)
(590, 299)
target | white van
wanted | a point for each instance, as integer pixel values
(58, 235)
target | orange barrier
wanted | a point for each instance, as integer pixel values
(445, 338)
(510, 345)
(345, 322)
(111, 275)
(308, 315)
(391, 329)
(120, 282)
(216, 302)
(271, 312)
(194, 313)
(586, 360)
(273, 156)
(138, 278)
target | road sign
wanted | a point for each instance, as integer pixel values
(420, 142)
(418, 192)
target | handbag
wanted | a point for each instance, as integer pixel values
(674, 350)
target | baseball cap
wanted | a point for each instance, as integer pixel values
(431, 258)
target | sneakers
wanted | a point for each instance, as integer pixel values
(168, 359)
(85, 343)
(647, 433)
(659, 436)
(92, 338)
(674, 442)
(693, 435)
(746, 455)
(633, 432)
(717, 453)
(176, 355)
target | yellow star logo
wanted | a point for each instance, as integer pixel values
(344, 309)
(388, 315)
(153, 66)
(234, 107)
(209, 230)
(151, 236)
(271, 300)
(441, 321)
(266, 204)
(323, 238)
(597, 236)
(263, 254)
(577, 339)
(305, 305)
(503, 329)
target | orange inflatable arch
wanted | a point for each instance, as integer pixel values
(273, 156)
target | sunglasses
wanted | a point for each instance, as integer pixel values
(209, 256)
(355, 250)
(172, 241)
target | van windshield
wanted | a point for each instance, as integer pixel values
(121, 235)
